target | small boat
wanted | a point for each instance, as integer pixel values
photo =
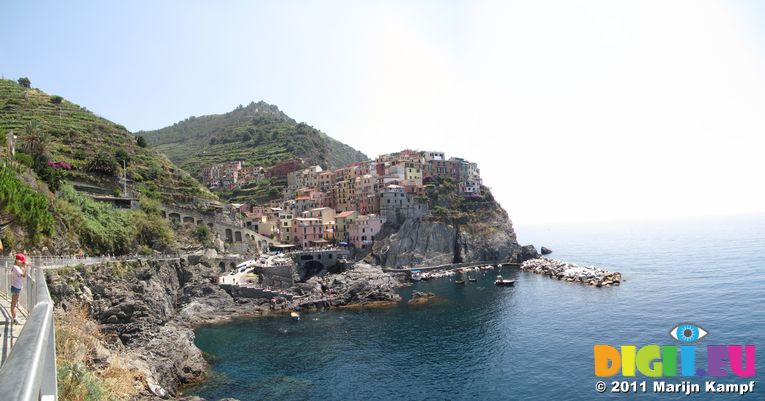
(472, 279)
(460, 277)
(294, 315)
(416, 276)
(502, 282)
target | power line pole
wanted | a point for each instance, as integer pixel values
(124, 178)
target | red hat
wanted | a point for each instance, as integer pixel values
(21, 257)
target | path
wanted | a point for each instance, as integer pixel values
(9, 332)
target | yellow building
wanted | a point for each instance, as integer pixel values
(413, 173)
(343, 222)
(285, 227)
(343, 195)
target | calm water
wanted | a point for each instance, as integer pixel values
(531, 341)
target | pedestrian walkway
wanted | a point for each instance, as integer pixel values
(9, 331)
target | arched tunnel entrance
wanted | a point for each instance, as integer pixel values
(310, 269)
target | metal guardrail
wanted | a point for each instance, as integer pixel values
(52, 262)
(29, 372)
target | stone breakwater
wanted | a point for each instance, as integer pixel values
(589, 275)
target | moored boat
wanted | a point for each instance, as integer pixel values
(295, 315)
(502, 282)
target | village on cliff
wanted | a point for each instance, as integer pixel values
(346, 206)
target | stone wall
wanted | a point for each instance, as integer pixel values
(278, 276)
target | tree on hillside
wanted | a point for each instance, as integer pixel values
(35, 142)
(141, 141)
(121, 155)
(25, 82)
(102, 163)
(56, 99)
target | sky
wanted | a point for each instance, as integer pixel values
(575, 111)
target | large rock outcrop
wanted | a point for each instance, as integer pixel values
(418, 242)
(148, 310)
(481, 234)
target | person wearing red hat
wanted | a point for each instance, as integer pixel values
(17, 282)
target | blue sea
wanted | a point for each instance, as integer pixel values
(533, 341)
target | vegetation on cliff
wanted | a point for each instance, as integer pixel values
(63, 141)
(83, 372)
(58, 143)
(447, 205)
(21, 205)
(102, 229)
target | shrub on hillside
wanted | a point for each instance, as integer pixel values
(78, 339)
(141, 141)
(153, 231)
(27, 207)
(24, 159)
(102, 228)
(102, 163)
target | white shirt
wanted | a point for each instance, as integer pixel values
(17, 280)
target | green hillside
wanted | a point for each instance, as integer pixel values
(62, 131)
(260, 134)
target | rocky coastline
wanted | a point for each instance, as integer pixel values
(150, 309)
(571, 272)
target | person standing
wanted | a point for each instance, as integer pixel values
(17, 282)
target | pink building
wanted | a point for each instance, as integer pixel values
(306, 230)
(363, 231)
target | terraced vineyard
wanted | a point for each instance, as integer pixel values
(76, 136)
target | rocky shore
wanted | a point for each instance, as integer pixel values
(589, 275)
(150, 309)
(419, 298)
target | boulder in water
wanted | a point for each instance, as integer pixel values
(545, 251)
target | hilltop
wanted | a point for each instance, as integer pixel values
(92, 146)
(259, 134)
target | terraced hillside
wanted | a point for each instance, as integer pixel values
(93, 146)
(259, 134)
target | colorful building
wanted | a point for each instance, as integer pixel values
(362, 233)
(285, 227)
(343, 222)
(307, 231)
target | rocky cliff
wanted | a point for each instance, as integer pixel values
(149, 310)
(472, 233)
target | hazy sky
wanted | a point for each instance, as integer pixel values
(574, 110)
